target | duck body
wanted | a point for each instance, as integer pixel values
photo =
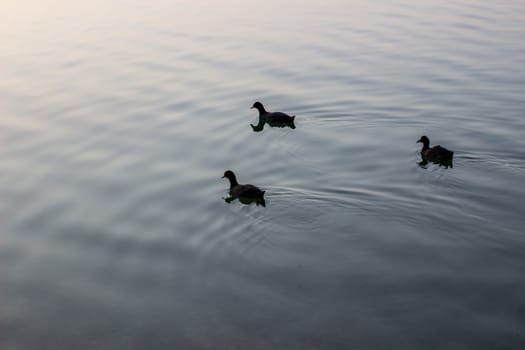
(436, 154)
(272, 117)
(245, 193)
(277, 117)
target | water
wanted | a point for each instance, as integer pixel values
(118, 119)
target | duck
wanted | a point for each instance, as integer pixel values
(272, 117)
(436, 154)
(245, 193)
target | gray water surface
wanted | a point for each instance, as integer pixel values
(118, 118)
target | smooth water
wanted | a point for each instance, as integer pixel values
(118, 118)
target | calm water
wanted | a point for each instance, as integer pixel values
(118, 119)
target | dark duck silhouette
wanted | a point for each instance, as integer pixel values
(274, 119)
(436, 154)
(245, 193)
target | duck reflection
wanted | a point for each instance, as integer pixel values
(445, 163)
(273, 124)
(274, 119)
(246, 194)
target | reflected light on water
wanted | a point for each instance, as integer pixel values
(118, 118)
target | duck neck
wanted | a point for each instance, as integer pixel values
(261, 110)
(233, 182)
(425, 146)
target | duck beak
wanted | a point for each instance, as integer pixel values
(222, 177)
(251, 107)
(418, 141)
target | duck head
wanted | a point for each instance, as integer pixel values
(425, 141)
(259, 106)
(230, 176)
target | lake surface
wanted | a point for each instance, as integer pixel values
(118, 119)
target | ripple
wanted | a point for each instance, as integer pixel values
(114, 138)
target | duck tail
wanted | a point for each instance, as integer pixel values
(261, 200)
